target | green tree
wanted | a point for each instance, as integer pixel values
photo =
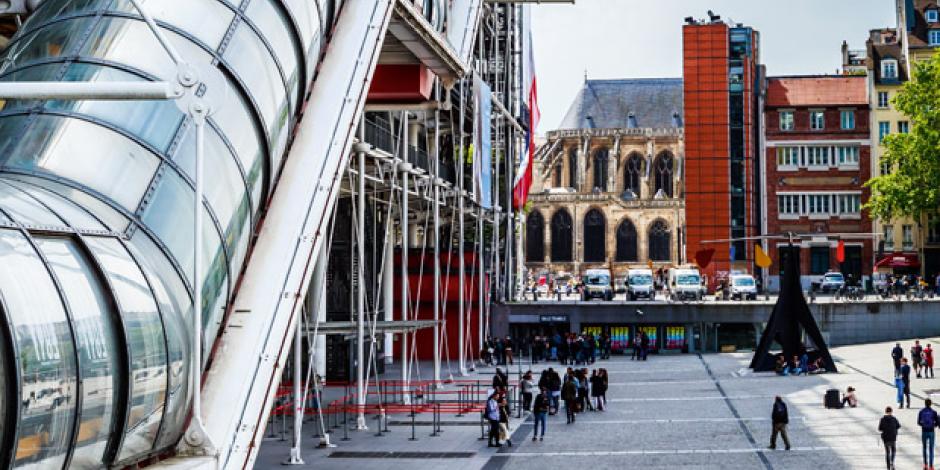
(912, 187)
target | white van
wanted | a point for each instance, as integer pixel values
(597, 285)
(640, 284)
(743, 287)
(685, 284)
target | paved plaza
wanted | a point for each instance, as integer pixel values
(674, 411)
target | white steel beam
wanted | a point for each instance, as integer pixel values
(99, 91)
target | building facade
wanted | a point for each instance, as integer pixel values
(608, 189)
(817, 155)
(722, 77)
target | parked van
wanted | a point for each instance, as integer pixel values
(597, 285)
(743, 287)
(640, 284)
(685, 284)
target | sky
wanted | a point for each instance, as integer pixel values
(643, 39)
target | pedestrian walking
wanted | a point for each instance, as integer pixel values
(597, 389)
(917, 357)
(906, 378)
(899, 386)
(540, 412)
(554, 389)
(500, 380)
(928, 421)
(527, 386)
(508, 348)
(888, 427)
(896, 355)
(492, 416)
(569, 393)
(780, 418)
(928, 361)
(504, 431)
(644, 345)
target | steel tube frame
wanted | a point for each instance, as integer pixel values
(97, 91)
(461, 359)
(405, 169)
(360, 291)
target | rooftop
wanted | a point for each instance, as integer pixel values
(817, 90)
(626, 104)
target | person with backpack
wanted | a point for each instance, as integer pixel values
(888, 427)
(779, 417)
(569, 393)
(928, 421)
(540, 412)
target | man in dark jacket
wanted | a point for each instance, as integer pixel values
(888, 427)
(905, 372)
(928, 420)
(780, 418)
(569, 393)
(896, 354)
(500, 380)
(539, 412)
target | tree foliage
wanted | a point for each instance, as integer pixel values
(912, 188)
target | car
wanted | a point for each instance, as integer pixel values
(831, 282)
(743, 287)
(597, 285)
(685, 284)
(640, 284)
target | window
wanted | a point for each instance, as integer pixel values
(933, 37)
(848, 156)
(561, 236)
(556, 176)
(659, 242)
(817, 204)
(889, 237)
(883, 99)
(626, 241)
(849, 204)
(595, 235)
(847, 119)
(788, 205)
(817, 156)
(573, 168)
(788, 156)
(884, 130)
(631, 177)
(907, 236)
(819, 259)
(535, 238)
(933, 228)
(786, 120)
(600, 170)
(889, 69)
(932, 16)
(904, 127)
(817, 120)
(663, 168)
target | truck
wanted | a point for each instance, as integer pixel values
(685, 284)
(640, 284)
(597, 285)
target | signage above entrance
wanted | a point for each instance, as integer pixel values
(553, 318)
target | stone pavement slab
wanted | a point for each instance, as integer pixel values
(688, 411)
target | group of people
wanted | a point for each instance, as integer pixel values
(498, 351)
(799, 365)
(927, 419)
(922, 360)
(497, 414)
(570, 348)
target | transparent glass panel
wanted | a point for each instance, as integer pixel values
(4, 220)
(50, 9)
(26, 210)
(154, 122)
(177, 309)
(130, 42)
(6, 356)
(236, 123)
(254, 64)
(36, 73)
(189, 15)
(146, 344)
(275, 27)
(74, 216)
(65, 147)
(44, 347)
(55, 40)
(98, 347)
(113, 219)
(304, 14)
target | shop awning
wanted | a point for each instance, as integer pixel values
(899, 261)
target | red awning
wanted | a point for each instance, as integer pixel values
(898, 261)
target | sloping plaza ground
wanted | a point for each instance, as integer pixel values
(677, 411)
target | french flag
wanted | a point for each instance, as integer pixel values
(523, 179)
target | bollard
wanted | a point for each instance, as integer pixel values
(378, 426)
(482, 432)
(412, 438)
(435, 416)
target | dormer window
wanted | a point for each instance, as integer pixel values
(889, 69)
(933, 15)
(631, 121)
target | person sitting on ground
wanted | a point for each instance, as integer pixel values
(795, 368)
(816, 367)
(850, 398)
(781, 366)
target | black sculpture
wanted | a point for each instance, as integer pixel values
(789, 318)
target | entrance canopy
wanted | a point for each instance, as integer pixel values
(899, 261)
